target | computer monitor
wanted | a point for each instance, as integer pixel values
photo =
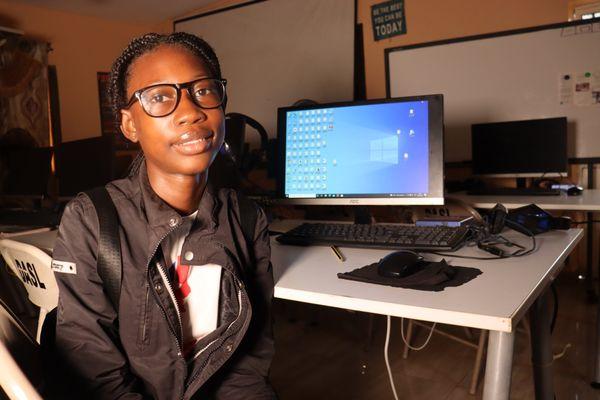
(84, 164)
(520, 149)
(377, 152)
(25, 171)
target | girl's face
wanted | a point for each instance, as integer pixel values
(186, 141)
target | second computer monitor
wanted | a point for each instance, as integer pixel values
(378, 152)
(527, 148)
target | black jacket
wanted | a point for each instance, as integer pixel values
(136, 352)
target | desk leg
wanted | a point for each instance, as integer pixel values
(541, 347)
(498, 367)
(591, 290)
(596, 379)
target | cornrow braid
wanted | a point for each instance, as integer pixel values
(119, 74)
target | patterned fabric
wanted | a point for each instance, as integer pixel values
(24, 87)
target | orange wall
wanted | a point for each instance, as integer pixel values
(81, 46)
(430, 20)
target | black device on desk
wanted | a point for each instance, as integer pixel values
(378, 152)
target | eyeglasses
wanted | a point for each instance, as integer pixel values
(162, 99)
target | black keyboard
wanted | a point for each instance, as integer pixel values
(383, 236)
(514, 192)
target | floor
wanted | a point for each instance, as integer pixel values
(323, 353)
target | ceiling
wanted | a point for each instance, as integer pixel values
(136, 11)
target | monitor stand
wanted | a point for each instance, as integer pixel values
(362, 215)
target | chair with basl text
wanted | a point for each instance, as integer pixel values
(32, 266)
(18, 357)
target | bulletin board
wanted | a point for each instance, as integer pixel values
(540, 72)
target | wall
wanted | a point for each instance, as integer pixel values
(85, 45)
(216, 5)
(81, 46)
(430, 20)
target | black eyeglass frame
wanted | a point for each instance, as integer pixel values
(137, 95)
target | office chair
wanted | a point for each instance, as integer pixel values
(32, 266)
(19, 357)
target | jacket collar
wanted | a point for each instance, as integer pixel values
(160, 214)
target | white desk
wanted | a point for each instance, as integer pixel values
(496, 300)
(589, 200)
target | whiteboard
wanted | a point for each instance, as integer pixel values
(276, 52)
(503, 77)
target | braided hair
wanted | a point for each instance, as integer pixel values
(119, 74)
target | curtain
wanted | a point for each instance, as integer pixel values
(24, 89)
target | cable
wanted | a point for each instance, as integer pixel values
(385, 355)
(426, 340)
(387, 344)
(562, 353)
(518, 253)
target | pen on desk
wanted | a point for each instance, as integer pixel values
(338, 253)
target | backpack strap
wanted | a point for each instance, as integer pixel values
(109, 264)
(248, 217)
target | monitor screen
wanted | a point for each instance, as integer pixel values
(84, 164)
(529, 148)
(378, 152)
(25, 171)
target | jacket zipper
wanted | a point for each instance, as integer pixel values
(239, 292)
(169, 286)
(228, 327)
(145, 313)
(214, 349)
(179, 349)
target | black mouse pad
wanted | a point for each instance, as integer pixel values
(435, 276)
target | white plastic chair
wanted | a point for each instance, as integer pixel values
(17, 346)
(32, 266)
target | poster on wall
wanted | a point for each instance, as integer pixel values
(107, 121)
(580, 89)
(388, 19)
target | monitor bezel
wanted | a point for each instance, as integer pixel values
(436, 111)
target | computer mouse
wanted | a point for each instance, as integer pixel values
(574, 190)
(400, 264)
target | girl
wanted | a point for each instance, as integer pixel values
(193, 318)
